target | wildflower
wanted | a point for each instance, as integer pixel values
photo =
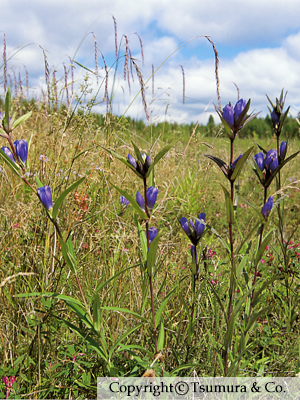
(151, 196)
(231, 115)
(271, 160)
(282, 150)
(194, 230)
(7, 151)
(235, 162)
(267, 207)
(152, 234)
(124, 202)
(259, 159)
(8, 384)
(21, 150)
(141, 168)
(45, 158)
(45, 196)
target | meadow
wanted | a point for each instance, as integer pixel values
(85, 293)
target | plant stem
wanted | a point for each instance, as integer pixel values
(151, 272)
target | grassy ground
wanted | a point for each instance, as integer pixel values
(42, 338)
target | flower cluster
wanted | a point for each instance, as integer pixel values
(141, 165)
(151, 196)
(194, 230)
(271, 161)
(277, 114)
(8, 384)
(20, 150)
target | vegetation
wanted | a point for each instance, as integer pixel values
(83, 292)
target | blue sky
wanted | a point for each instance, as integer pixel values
(258, 44)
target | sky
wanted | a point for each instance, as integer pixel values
(258, 45)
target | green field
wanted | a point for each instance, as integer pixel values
(61, 328)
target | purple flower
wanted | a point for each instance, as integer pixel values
(124, 202)
(21, 150)
(141, 168)
(275, 117)
(267, 207)
(228, 114)
(194, 230)
(45, 196)
(152, 234)
(271, 160)
(7, 151)
(259, 159)
(238, 109)
(151, 195)
(282, 150)
(235, 162)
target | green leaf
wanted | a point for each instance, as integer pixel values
(63, 195)
(124, 161)
(160, 155)
(126, 311)
(262, 248)
(125, 335)
(161, 337)
(159, 312)
(68, 253)
(151, 256)
(229, 206)
(81, 313)
(131, 200)
(240, 164)
(22, 119)
(12, 165)
(220, 163)
(39, 183)
(97, 313)
(142, 237)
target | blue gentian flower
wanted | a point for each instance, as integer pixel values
(267, 207)
(21, 150)
(235, 162)
(260, 160)
(271, 160)
(228, 114)
(45, 196)
(151, 195)
(238, 109)
(7, 151)
(194, 230)
(124, 202)
(282, 150)
(152, 234)
(140, 168)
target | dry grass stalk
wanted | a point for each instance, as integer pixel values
(216, 68)
(96, 58)
(142, 48)
(126, 57)
(142, 84)
(116, 36)
(66, 85)
(183, 84)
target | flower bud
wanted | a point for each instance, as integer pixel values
(282, 150)
(228, 114)
(267, 207)
(259, 159)
(21, 150)
(45, 196)
(7, 151)
(238, 109)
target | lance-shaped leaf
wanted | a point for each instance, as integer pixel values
(262, 248)
(63, 195)
(97, 313)
(68, 253)
(158, 315)
(229, 206)
(12, 165)
(220, 163)
(240, 164)
(123, 160)
(21, 119)
(161, 337)
(132, 201)
(137, 153)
